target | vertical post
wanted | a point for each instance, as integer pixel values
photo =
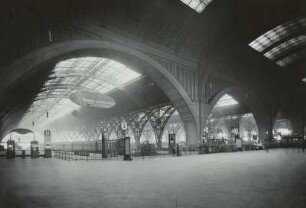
(47, 143)
(103, 145)
(270, 133)
(200, 120)
(127, 149)
(10, 154)
(303, 131)
(34, 149)
(171, 143)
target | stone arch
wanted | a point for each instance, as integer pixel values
(260, 112)
(139, 61)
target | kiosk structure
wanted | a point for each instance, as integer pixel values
(127, 149)
(10, 153)
(103, 145)
(34, 149)
(238, 141)
(126, 142)
(171, 144)
(47, 143)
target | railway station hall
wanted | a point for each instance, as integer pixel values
(152, 103)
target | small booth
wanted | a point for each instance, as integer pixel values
(127, 150)
(171, 144)
(238, 142)
(47, 143)
(126, 142)
(103, 145)
(123, 148)
(34, 149)
(10, 153)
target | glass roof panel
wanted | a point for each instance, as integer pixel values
(290, 59)
(226, 100)
(277, 34)
(88, 73)
(277, 51)
(197, 5)
(282, 38)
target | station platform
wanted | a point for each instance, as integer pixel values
(241, 179)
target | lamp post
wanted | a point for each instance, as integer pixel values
(103, 144)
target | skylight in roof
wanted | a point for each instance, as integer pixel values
(290, 59)
(91, 71)
(277, 51)
(197, 5)
(226, 100)
(277, 43)
(86, 73)
(304, 79)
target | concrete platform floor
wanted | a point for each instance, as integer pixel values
(243, 179)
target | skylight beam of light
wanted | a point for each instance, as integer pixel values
(226, 100)
(91, 73)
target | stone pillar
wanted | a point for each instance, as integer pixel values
(192, 137)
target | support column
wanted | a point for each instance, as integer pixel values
(158, 119)
(137, 121)
(103, 144)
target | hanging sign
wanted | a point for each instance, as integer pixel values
(92, 99)
(124, 125)
(22, 131)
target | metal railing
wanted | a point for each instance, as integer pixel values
(135, 153)
(80, 155)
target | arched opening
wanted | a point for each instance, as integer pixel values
(22, 141)
(232, 123)
(283, 133)
(139, 62)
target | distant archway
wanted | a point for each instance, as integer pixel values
(251, 101)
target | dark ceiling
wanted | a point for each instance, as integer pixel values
(168, 24)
